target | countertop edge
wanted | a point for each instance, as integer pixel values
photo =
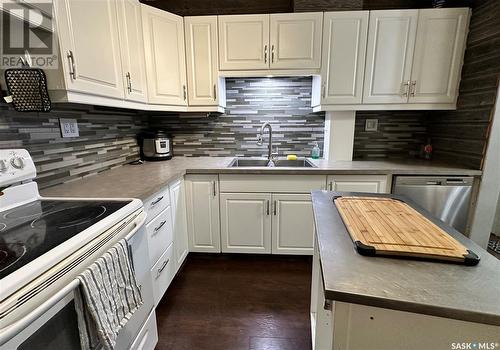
(417, 308)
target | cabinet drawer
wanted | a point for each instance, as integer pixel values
(271, 183)
(148, 336)
(162, 274)
(160, 234)
(156, 204)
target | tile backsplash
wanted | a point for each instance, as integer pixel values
(283, 101)
(108, 135)
(400, 134)
(107, 139)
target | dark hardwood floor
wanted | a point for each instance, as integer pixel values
(231, 302)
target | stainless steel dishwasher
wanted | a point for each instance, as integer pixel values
(448, 198)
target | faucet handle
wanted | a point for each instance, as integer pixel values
(259, 140)
(275, 153)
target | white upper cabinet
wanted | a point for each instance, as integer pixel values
(165, 56)
(244, 42)
(296, 40)
(439, 51)
(391, 41)
(132, 50)
(202, 60)
(89, 44)
(344, 51)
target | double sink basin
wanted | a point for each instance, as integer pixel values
(263, 163)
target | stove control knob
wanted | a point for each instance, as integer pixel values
(17, 162)
(3, 166)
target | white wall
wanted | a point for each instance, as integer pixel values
(339, 135)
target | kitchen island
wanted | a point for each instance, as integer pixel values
(361, 302)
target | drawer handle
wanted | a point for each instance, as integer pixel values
(275, 208)
(156, 201)
(72, 65)
(162, 267)
(158, 228)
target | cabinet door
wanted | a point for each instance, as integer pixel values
(202, 201)
(246, 222)
(296, 40)
(165, 56)
(391, 41)
(132, 50)
(179, 222)
(439, 52)
(293, 224)
(243, 42)
(202, 60)
(88, 35)
(359, 183)
(344, 51)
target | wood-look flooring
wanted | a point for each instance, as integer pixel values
(232, 302)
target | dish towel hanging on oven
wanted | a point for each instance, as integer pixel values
(107, 298)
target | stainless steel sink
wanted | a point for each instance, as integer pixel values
(248, 162)
(262, 163)
(299, 163)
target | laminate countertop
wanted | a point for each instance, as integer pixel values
(143, 181)
(469, 293)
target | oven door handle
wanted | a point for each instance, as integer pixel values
(18, 326)
(11, 331)
(138, 223)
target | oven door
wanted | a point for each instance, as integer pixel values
(57, 327)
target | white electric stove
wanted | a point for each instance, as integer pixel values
(46, 242)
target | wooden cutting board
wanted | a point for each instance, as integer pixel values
(386, 226)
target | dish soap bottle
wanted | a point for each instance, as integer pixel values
(315, 151)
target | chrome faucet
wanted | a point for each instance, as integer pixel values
(270, 154)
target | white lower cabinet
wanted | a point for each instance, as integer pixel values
(148, 335)
(292, 224)
(202, 201)
(179, 222)
(167, 235)
(245, 222)
(160, 234)
(359, 183)
(162, 274)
